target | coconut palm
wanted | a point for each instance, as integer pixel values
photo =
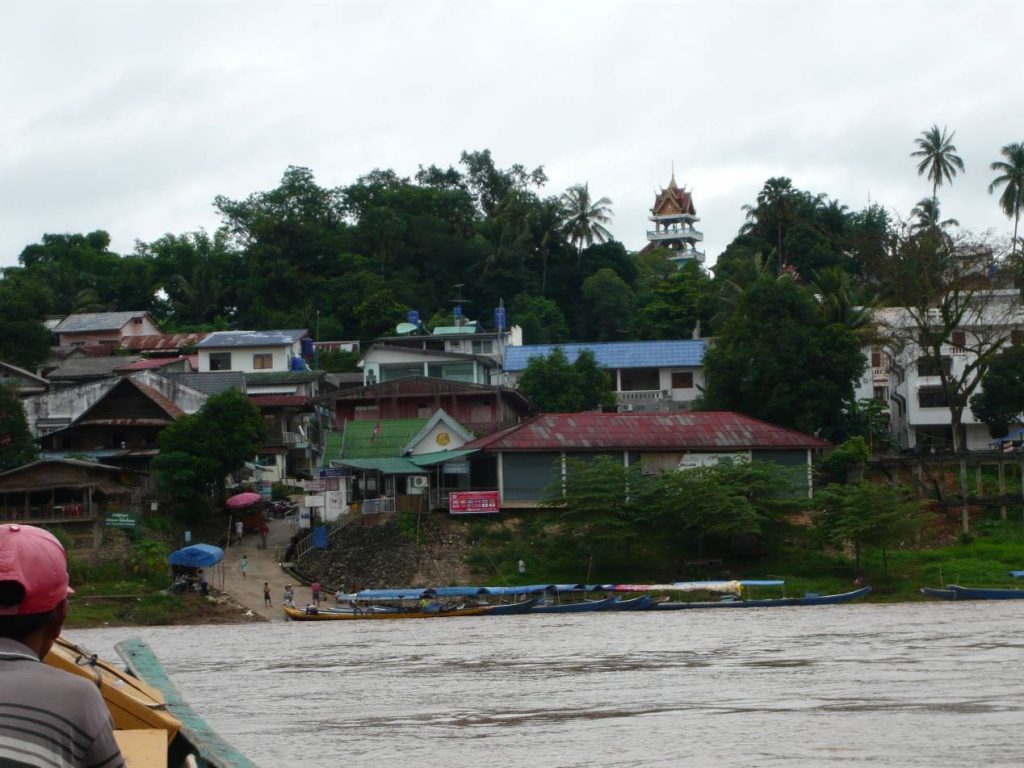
(926, 215)
(939, 160)
(585, 217)
(1012, 177)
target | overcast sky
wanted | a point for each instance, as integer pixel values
(132, 116)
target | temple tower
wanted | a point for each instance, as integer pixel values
(673, 215)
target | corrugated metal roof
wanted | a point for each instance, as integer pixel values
(672, 431)
(439, 457)
(281, 377)
(161, 342)
(88, 367)
(389, 466)
(97, 321)
(149, 364)
(272, 401)
(219, 339)
(359, 441)
(616, 354)
(208, 383)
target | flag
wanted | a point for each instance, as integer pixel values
(376, 431)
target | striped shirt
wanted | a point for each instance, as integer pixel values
(49, 717)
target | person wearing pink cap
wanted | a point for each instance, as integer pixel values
(47, 716)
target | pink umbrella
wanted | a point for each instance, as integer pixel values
(243, 500)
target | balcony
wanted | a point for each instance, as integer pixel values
(286, 440)
(662, 235)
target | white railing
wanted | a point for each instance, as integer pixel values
(383, 505)
(304, 545)
(675, 234)
(643, 396)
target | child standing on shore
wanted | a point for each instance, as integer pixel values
(266, 595)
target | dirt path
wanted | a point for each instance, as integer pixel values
(264, 566)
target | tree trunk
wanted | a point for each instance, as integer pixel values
(965, 520)
(1016, 218)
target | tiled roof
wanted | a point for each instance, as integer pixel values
(96, 321)
(265, 378)
(358, 440)
(617, 354)
(220, 339)
(208, 383)
(88, 367)
(672, 431)
(149, 364)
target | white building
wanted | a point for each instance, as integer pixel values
(253, 351)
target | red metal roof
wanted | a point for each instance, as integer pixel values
(161, 342)
(169, 407)
(270, 401)
(671, 431)
(149, 363)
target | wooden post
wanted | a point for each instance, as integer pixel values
(978, 482)
(1002, 489)
(965, 521)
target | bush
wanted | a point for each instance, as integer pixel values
(157, 609)
(282, 492)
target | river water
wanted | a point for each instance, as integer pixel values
(927, 684)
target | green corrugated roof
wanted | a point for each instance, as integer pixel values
(436, 457)
(359, 441)
(389, 466)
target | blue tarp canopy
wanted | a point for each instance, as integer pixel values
(197, 556)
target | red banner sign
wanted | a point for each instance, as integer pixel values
(473, 502)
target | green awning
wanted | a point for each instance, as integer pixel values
(388, 466)
(439, 457)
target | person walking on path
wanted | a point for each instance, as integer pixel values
(315, 587)
(244, 565)
(264, 532)
(266, 595)
(239, 528)
(289, 596)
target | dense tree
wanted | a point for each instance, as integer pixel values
(671, 306)
(585, 217)
(927, 215)
(541, 321)
(608, 308)
(777, 358)
(24, 304)
(555, 385)
(939, 160)
(1000, 403)
(866, 514)
(16, 444)
(1011, 178)
(199, 451)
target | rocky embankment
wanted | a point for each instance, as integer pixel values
(379, 556)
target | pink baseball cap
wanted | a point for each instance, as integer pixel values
(35, 559)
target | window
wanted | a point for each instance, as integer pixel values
(958, 339)
(640, 379)
(220, 361)
(482, 347)
(876, 359)
(932, 397)
(682, 380)
(1017, 338)
(263, 361)
(929, 366)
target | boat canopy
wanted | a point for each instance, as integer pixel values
(197, 556)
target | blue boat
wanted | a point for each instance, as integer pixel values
(584, 606)
(939, 594)
(642, 603)
(981, 593)
(512, 609)
(776, 602)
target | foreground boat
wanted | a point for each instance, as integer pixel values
(777, 602)
(368, 614)
(153, 725)
(981, 593)
(511, 609)
(584, 606)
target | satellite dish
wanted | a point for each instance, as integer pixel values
(404, 329)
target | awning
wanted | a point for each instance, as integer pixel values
(197, 556)
(439, 457)
(387, 466)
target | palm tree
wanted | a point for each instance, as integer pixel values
(939, 160)
(1012, 199)
(585, 218)
(926, 215)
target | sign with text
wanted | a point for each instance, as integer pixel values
(120, 520)
(335, 472)
(473, 502)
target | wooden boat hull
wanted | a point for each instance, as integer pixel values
(133, 703)
(511, 609)
(939, 594)
(779, 602)
(195, 736)
(584, 607)
(980, 593)
(295, 614)
(642, 603)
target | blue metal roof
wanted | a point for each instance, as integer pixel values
(617, 354)
(219, 339)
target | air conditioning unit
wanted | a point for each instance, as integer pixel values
(626, 407)
(420, 481)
